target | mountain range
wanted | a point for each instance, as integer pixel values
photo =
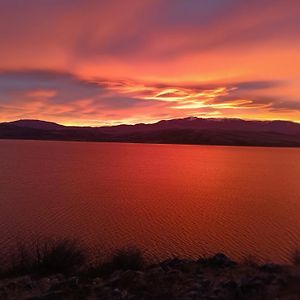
(191, 130)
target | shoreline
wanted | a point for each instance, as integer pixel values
(59, 269)
(154, 144)
(217, 278)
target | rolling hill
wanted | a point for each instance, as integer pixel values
(177, 131)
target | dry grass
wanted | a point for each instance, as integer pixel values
(47, 256)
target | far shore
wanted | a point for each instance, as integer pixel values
(187, 131)
(145, 143)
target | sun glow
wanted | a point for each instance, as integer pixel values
(157, 61)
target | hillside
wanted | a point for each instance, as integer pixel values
(177, 131)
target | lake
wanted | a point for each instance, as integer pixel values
(166, 199)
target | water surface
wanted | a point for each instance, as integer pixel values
(167, 199)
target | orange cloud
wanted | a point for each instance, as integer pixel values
(175, 58)
(39, 93)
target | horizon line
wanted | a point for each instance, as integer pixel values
(154, 122)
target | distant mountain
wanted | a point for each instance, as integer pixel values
(37, 124)
(177, 131)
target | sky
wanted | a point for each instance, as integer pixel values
(100, 62)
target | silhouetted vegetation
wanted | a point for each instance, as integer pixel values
(47, 256)
(219, 260)
(130, 258)
(296, 258)
(250, 261)
(61, 267)
(127, 258)
(66, 256)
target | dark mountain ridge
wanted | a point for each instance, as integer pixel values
(176, 131)
(37, 124)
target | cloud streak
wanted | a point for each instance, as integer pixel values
(107, 62)
(69, 99)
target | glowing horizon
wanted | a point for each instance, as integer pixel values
(111, 62)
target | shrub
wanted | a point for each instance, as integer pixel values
(296, 258)
(21, 260)
(48, 257)
(250, 261)
(62, 256)
(130, 258)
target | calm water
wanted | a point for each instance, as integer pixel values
(166, 199)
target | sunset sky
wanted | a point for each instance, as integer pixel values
(95, 62)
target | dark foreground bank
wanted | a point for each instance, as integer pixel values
(60, 269)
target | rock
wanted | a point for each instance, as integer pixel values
(55, 295)
(171, 279)
(196, 287)
(116, 292)
(130, 277)
(98, 281)
(220, 260)
(206, 283)
(217, 291)
(58, 277)
(171, 263)
(155, 272)
(173, 275)
(280, 281)
(271, 268)
(102, 292)
(73, 282)
(250, 285)
(119, 294)
(45, 284)
(64, 284)
(12, 286)
(114, 278)
(230, 284)
(3, 293)
(192, 295)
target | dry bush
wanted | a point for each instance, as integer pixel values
(47, 256)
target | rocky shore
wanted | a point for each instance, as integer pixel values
(216, 277)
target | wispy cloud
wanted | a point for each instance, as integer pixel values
(66, 60)
(69, 99)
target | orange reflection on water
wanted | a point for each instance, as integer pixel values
(166, 199)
